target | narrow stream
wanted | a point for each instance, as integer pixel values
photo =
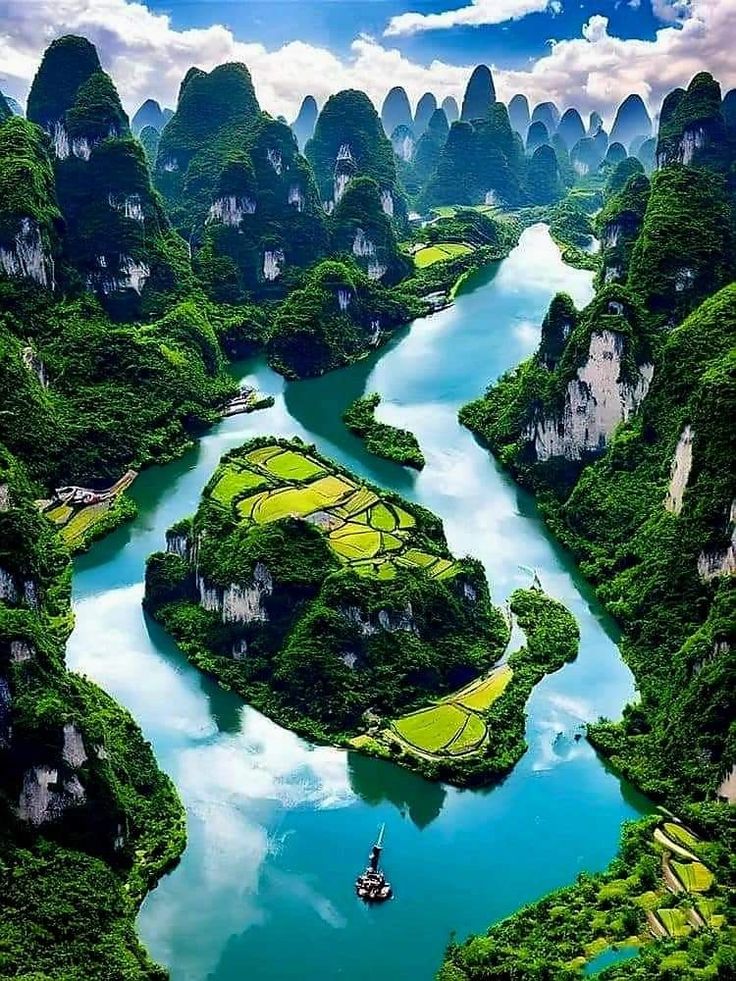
(278, 829)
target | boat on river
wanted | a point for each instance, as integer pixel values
(372, 885)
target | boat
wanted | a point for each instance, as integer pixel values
(372, 885)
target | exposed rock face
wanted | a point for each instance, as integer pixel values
(8, 591)
(6, 728)
(387, 203)
(296, 197)
(230, 210)
(362, 246)
(45, 797)
(20, 650)
(595, 403)
(692, 128)
(386, 620)
(238, 604)
(720, 561)
(273, 261)
(274, 158)
(26, 258)
(178, 544)
(132, 275)
(343, 299)
(727, 789)
(73, 752)
(376, 270)
(402, 140)
(680, 471)
(130, 205)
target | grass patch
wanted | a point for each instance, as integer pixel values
(233, 483)
(694, 876)
(482, 694)
(440, 252)
(675, 922)
(680, 835)
(292, 466)
(382, 517)
(470, 736)
(431, 729)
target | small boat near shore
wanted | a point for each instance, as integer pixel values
(372, 886)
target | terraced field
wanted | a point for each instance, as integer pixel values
(440, 252)
(78, 523)
(372, 534)
(454, 726)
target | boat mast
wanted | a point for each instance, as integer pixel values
(375, 855)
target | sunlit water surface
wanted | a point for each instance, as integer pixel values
(278, 829)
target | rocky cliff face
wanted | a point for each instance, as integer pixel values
(349, 142)
(692, 129)
(30, 220)
(595, 402)
(682, 463)
(116, 232)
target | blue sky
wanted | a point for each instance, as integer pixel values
(335, 24)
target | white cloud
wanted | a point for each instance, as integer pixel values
(477, 13)
(148, 57)
(671, 11)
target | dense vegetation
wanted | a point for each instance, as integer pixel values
(475, 736)
(390, 442)
(649, 887)
(647, 509)
(317, 597)
(75, 861)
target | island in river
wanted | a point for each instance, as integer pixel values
(337, 608)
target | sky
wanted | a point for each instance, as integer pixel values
(586, 53)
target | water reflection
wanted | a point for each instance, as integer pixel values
(278, 828)
(375, 781)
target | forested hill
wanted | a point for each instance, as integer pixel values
(622, 423)
(137, 258)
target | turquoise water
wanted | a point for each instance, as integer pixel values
(278, 829)
(611, 955)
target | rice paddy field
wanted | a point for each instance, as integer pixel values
(454, 726)
(372, 534)
(440, 252)
(77, 524)
(676, 906)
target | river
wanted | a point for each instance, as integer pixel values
(278, 829)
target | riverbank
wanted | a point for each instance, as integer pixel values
(265, 810)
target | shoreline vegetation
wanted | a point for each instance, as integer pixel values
(324, 601)
(111, 823)
(643, 499)
(475, 736)
(665, 897)
(389, 442)
(236, 617)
